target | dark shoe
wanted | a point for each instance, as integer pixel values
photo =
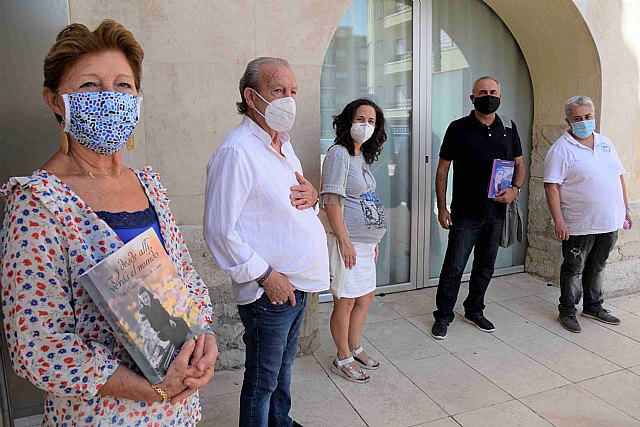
(296, 424)
(570, 323)
(480, 322)
(439, 329)
(603, 316)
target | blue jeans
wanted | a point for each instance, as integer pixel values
(271, 336)
(584, 261)
(464, 235)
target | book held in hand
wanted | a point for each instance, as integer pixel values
(501, 176)
(139, 292)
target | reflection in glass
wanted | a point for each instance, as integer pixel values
(371, 55)
(469, 41)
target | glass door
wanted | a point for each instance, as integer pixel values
(371, 55)
(468, 40)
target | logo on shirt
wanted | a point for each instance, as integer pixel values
(605, 147)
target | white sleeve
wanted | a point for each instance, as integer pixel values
(228, 186)
(555, 168)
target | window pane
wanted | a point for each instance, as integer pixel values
(470, 41)
(352, 70)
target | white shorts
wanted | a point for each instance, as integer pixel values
(361, 279)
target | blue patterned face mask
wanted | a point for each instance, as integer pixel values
(101, 121)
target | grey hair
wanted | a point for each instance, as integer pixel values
(251, 78)
(473, 89)
(577, 101)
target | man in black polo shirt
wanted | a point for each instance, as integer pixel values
(472, 143)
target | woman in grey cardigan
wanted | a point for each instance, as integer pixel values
(359, 222)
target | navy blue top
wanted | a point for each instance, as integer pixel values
(128, 225)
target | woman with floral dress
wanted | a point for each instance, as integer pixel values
(80, 207)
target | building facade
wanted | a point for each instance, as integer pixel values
(417, 59)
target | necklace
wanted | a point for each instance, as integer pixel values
(93, 176)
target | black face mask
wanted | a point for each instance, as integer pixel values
(487, 104)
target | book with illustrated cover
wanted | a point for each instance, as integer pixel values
(501, 176)
(139, 292)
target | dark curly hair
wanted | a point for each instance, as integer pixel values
(371, 148)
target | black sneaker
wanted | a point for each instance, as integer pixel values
(439, 329)
(480, 322)
(570, 323)
(603, 316)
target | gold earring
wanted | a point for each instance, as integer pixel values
(131, 143)
(64, 145)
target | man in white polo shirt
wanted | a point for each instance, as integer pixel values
(586, 195)
(261, 224)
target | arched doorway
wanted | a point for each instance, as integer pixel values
(418, 60)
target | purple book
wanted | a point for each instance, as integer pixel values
(501, 176)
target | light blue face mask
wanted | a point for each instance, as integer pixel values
(584, 128)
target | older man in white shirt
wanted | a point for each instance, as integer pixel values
(261, 224)
(587, 198)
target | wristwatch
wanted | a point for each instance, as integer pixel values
(517, 187)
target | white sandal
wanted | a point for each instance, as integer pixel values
(357, 375)
(372, 365)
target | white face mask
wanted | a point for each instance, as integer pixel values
(279, 114)
(361, 132)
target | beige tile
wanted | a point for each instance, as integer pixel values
(198, 31)
(621, 389)
(527, 282)
(630, 303)
(452, 384)
(380, 312)
(460, 335)
(224, 382)
(629, 325)
(221, 410)
(444, 422)
(573, 406)
(509, 325)
(537, 310)
(410, 303)
(316, 401)
(184, 123)
(565, 358)
(635, 370)
(31, 421)
(605, 343)
(389, 399)
(400, 340)
(511, 370)
(553, 297)
(431, 291)
(308, 43)
(512, 414)
(499, 291)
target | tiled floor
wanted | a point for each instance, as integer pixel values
(530, 372)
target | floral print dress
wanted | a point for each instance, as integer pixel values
(56, 336)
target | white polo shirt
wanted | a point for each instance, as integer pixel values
(249, 222)
(591, 198)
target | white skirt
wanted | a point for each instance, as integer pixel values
(361, 279)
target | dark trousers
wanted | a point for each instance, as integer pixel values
(271, 336)
(483, 236)
(582, 270)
